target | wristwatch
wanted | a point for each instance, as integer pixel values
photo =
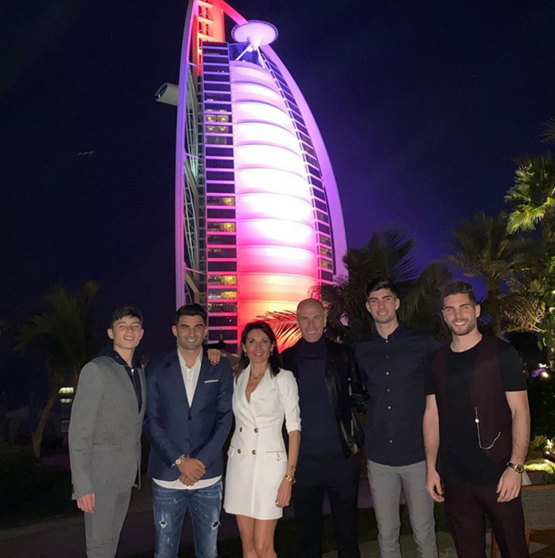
(179, 461)
(519, 469)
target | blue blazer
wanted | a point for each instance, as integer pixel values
(173, 428)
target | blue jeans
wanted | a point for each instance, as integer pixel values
(170, 507)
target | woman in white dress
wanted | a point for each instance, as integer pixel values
(260, 474)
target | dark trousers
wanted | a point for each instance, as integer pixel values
(466, 507)
(339, 479)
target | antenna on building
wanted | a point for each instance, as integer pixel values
(256, 34)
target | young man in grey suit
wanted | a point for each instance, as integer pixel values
(187, 422)
(105, 433)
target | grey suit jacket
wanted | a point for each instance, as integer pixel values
(105, 429)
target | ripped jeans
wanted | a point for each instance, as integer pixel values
(170, 507)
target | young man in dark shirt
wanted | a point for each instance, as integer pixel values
(393, 362)
(477, 407)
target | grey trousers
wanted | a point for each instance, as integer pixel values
(385, 485)
(103, 527)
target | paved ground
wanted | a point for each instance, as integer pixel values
(64, 537)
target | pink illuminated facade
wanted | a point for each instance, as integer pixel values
(258, 214)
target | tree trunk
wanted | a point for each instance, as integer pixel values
(37, 435)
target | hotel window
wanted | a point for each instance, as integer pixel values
(214, 334)
(322, 217)
(223, 69)
(306, 139)
(321, 227)
(325, 252)
(302, 129)
(220, 213)
(309, 149)
(214, 59)
(222, 279)
(219, 152)
(222, 227)
(319, 194)
(324, 240)
(217, 294)
(217, 87)
(321, 205)
(313, 170)
(222, 321)
(217, 107)
(222, 253)
(218, 129)
(228, 240)
(215, 97)
(326, 264)
(326, 275)
(217, 188)
(210, 117)
(219, 140)
(222, 307)
(220, 175)
(312, 160)
(212, 200)
(216, 77)
(219, 163)
(223, 118)
(316, 182)
(216, 265)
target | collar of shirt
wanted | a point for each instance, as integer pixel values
(190, 375)
(114, 355)
(399, 333)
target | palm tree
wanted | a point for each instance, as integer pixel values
(533, 200)
(484, 248)
(65, 334)
(533, 197)
(387, 254)
(548, 132)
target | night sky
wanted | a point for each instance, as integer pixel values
(423, 107)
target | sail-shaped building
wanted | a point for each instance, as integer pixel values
(258, 214)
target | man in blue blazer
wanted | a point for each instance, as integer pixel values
(188, 418)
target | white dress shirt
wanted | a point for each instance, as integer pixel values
(190, 380)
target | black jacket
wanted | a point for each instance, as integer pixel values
(347, 392)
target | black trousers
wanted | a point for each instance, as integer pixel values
(339, 479)
(466, 507)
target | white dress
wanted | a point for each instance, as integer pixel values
(257, 459)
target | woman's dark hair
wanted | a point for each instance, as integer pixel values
(275, 357)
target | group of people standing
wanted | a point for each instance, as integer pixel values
(466, 401)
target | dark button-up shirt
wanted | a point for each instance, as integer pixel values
(131, 371)
(394, 371)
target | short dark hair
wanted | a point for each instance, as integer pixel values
(125, 312)
(191, 310)
(275, 357)
(458, 287)
(381, 283)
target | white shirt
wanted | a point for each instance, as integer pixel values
(190, 380)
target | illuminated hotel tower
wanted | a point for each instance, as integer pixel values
(258, 215)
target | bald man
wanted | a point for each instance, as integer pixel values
(329, 391)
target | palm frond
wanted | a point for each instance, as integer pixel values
(548, 131)
(284, 324)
